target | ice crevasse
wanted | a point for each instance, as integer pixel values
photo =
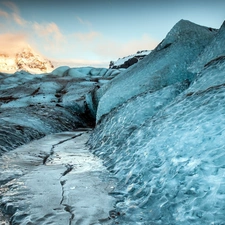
(160, 131)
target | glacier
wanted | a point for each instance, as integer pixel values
(160, 131)
(34, 105)
(157, 127)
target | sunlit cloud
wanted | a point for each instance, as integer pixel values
(19, 20)
(10, 44)
(51, 36)
(48, 30)
(88, 48)
(48, 34)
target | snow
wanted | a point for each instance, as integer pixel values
(26, 59)
(121, 61)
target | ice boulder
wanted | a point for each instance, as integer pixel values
(77, 73)
(165, 65)
(60, 70)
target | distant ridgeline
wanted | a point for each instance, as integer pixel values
(128, 61)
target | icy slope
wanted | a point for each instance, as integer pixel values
(164, 66)
(165, 143)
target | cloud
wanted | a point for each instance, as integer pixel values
(19, 20)
(15, 14)
(10, 44)
(48, 30)
(48, 34)
(4, 14)
(50, 39)
(11, 6)
(83, 22)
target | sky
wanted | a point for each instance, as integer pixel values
(94, 32)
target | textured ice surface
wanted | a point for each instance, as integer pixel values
(160, 133)
(166, 145)
(85, 72)
(35, 105)
(212, 52)
(164, 66)
(60, 70)
(32, 106)
(55, 180)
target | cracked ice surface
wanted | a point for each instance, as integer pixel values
(67, 189)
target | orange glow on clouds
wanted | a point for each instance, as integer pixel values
(93, 45)
(10, 44)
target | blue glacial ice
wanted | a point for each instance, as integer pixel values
(32, 106)
(161, 131)
(164, 66)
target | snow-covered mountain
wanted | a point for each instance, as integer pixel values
(26, 59)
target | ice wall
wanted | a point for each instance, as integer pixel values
(165, 143)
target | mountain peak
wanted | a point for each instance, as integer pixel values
(26, 59)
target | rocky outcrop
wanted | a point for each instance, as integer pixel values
(126, 62)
